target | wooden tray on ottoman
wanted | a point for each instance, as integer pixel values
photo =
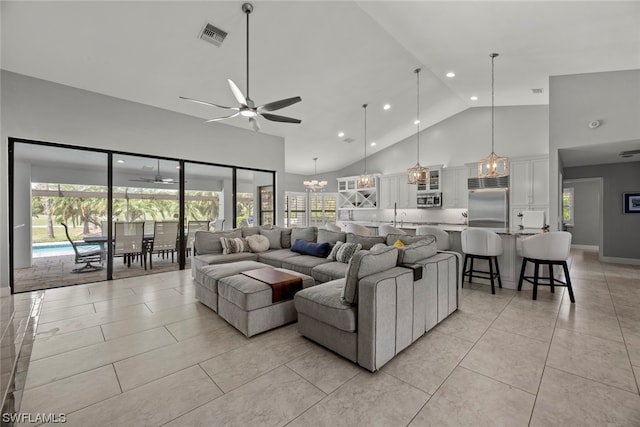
(283, 285)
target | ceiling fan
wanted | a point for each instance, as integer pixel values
(247, 107)
(158, 179)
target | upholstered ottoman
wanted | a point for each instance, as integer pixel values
(246, 303)
(207, 279)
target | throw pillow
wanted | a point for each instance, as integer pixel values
(378, 247)
(274, 238)
(285, 238)
(411, 254)
(311, 248)
(258, 243)
(398, 244)
(366, 263)
(347, 251)
(334, 251)
(234, 245)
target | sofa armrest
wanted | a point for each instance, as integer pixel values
(385, 319)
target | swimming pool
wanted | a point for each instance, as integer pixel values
(51, 249)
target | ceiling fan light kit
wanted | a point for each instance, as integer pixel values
(247, 107)
(418, 174)
(493, 166)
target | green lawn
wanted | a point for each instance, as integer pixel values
(39, 231)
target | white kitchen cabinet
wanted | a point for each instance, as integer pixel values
(454, 187)
(529, 181)
(352, 197)
(395, 190)
(529, 187)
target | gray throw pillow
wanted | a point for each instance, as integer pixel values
(347, 251)
(415, 252)
(334, 251)
(378, 247)
(274, 237)
(285, 238)
(306, 233)
(331, 236)
(250, 231)
(367, 242)
(366, 263)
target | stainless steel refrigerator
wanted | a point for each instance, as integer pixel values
(489, 207)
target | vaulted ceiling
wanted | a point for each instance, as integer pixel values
(336, 55)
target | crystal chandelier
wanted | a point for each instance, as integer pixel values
(417, 174)
(314, 184)
(365, 180)
(494, 165)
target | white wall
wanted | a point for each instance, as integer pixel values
(466, 138)
(45, 111)
(574, 101)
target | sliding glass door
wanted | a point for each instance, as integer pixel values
(59, 202)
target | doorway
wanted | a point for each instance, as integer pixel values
(582, 212)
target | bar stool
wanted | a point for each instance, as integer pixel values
(547, 249)
(442, 237)
(481, 244)
(357, 229)
(384, 230)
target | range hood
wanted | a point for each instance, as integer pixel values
(479, 183)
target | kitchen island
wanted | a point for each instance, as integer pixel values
(509, 262)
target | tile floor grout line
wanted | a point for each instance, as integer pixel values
(544, 366)
(624, 339)
(117, 378)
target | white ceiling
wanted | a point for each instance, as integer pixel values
(336, 55)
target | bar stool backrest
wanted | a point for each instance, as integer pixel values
(358, 230)
(442, 237)
(384, 229)
(477, 241)
(552, 246)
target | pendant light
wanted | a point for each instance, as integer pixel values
(365, 180)
(314, 184)
(417, 174)
(493, 166)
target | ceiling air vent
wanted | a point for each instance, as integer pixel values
(348, 140)
(213, 34)
(629, 153)
(539, 90)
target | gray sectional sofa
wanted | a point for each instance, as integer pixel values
(366, 310)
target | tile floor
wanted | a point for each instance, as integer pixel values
(143, 352)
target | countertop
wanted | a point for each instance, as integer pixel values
(515, 231)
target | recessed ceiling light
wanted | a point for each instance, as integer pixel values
(386, 106)
(415, 122)
(451, 74)
(340, 134)
(120, 161)
(474, 98)
(373, 144)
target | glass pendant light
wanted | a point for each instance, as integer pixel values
(365, 180)
(417, 174)
(314, 184)
(493, 166)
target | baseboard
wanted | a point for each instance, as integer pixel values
(5, 291)
(614, 260)
(586, 247)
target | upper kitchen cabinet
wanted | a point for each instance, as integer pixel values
(352, 197)
(454, 187)
(394, 190)
(529, 182)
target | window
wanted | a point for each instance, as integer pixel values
(323, 208)
(295, 209)
(567, 206)
(266, 204)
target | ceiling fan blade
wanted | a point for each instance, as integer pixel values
(222, 118)
(208, 103)
(237, 93)
(277, 118)
(276, 105)
(255, 123)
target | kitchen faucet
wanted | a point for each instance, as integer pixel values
(395, 213)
